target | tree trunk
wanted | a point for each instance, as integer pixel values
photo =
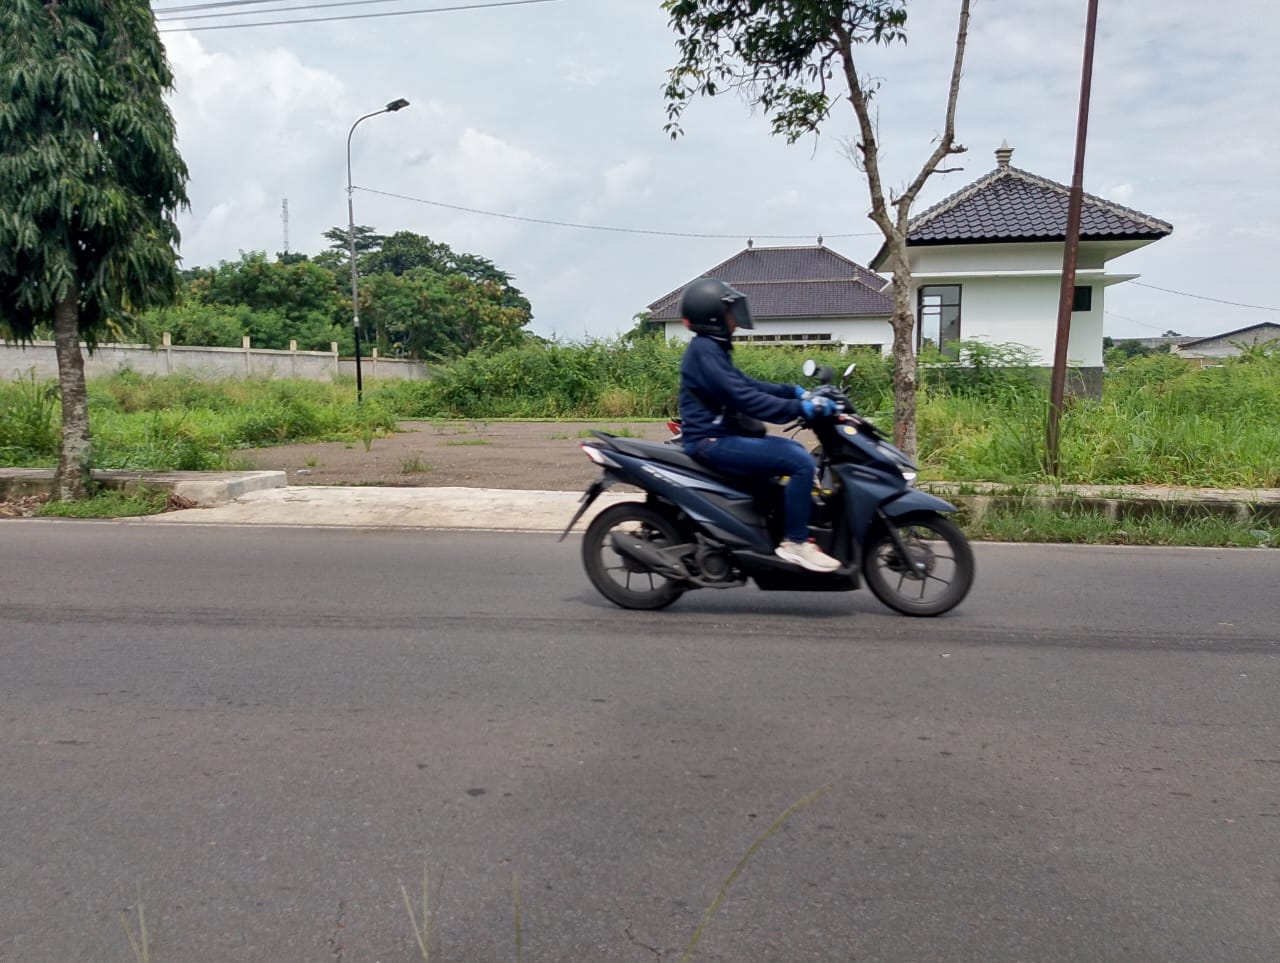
(71, 480)
(904, 351)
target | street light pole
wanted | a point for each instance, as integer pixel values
(398, 104)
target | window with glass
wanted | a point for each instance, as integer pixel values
(938, 314)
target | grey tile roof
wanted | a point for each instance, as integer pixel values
(1010, 204)
(792, 282)
(1262, 326)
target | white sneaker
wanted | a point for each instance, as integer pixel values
(807, 555)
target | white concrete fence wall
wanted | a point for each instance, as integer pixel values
(17, 360)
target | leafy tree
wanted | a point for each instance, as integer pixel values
(90, 184)
(791, 58)
(408, 289)
(403, 251)
(462, 315)
(295, 300)
(391, 308)
(340, 244)
(642, 329)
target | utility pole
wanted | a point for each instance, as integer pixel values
(284, 216)
(1070, 251)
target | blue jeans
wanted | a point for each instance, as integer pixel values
(764, 458)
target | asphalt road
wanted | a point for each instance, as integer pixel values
(264, 731)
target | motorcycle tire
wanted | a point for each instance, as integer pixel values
(622, 580)
(941, 560)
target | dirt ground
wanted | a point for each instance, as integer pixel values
(528, 456)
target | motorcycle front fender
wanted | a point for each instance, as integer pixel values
(913, 500)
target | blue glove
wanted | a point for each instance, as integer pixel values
(818, 405)
(799, 390)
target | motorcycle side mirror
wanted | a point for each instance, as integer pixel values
(810, 368)
(851, 369)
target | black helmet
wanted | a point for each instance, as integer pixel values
(706, 303)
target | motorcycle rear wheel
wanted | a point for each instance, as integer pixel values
(622, 580)
(940, 569)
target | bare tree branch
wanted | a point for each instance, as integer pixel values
(946, 143)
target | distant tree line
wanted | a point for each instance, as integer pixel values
(418, 299)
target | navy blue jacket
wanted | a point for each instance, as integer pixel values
(710, 387)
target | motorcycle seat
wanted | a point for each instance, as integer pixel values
(670, 455)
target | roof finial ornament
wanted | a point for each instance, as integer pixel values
(750, 244)
(819, 240)
(1004, 154)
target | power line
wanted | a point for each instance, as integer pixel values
(353, 16)
(211, 6)
(1124, 317)
(601, 227)
(168, 16)
(1201, 297)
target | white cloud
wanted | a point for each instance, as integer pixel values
(488, 170)
(628, 179)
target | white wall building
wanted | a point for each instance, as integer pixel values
(1230, 343)
(800, 296)
(986, 264)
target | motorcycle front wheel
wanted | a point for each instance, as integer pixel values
(934, 578)
(619, 578)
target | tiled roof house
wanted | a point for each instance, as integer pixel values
(798, 295)
(986, 263)
(1229, 342)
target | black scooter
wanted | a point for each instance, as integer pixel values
(698, 528)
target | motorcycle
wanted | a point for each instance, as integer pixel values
(698, 528)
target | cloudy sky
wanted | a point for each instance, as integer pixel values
(553, 111)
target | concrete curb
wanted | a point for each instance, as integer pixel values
(201, 487)
(1116, 502)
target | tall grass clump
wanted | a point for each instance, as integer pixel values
(1164, 421)
(178, 423)
(981, 413)
(30, 421)
(637, 378)
(550, 380)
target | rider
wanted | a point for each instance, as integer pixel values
(713, 393)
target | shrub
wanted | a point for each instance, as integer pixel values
(30, 421)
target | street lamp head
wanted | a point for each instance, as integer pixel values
(398, 104)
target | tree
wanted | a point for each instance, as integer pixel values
(403, 251)
(288, 300)
(90, 185)
(340, 241)
(789, 57)
(425, 300)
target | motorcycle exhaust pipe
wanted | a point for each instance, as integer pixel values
(642, 552)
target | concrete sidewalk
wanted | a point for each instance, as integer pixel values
(264, 498)
(317, 506)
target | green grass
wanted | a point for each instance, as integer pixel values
(1159, 421)
(623, 432)
(1030, 523)
(415, 465)
(109, 504)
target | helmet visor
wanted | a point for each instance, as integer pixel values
(738, 307)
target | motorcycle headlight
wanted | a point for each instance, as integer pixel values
(910, 476)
